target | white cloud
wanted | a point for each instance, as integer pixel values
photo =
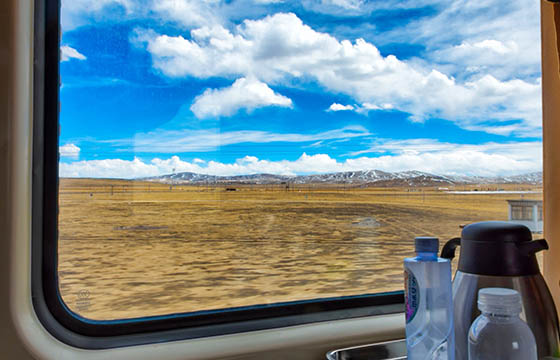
(360, 7)
(69, 150)
(340, 107)
(248, 94)
(75, 6)
(268, 1)
(512, 28)
(67, 53)
(336, 6)
(428, 155)
(75, 13)
(189, 12)
(279, 48)
(366, 107)
(345, 4)
(530, 150)
(108, 168)
(175, 141)
(492, 45)
(486, 56)
(345, 8)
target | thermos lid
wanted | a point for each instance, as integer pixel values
(499, 248)
(496, 231)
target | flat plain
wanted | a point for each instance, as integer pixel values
(132, 248)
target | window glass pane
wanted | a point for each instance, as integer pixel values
(216, 154)
(527, 213)
(517, 213)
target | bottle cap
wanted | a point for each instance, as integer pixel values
(426, 244)
(499, 301)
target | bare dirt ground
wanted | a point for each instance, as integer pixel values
(129, 249)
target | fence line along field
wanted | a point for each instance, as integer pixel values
(132, 248)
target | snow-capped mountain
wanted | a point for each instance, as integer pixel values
(373, 177)
(534, 178)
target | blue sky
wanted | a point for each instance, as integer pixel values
(299, 87)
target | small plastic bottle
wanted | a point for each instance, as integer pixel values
(429, 305)
(498, 333)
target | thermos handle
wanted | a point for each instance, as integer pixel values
(532, 247)
(448, 251)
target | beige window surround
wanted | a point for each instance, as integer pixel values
(550, 27)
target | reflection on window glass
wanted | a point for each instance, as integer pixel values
(216, 154)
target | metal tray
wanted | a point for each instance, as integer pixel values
(389, 350)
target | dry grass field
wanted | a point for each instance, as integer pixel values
(129, 249)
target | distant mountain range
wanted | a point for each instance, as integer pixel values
(374, 177)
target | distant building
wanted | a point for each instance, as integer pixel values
(526, 212)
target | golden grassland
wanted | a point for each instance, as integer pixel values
(131, 248)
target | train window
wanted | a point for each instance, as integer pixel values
(217, 163)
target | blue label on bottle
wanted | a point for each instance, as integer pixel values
(411, 295)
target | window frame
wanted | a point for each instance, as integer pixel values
(77, 331)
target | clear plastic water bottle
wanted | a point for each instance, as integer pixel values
(499, 333)
(429, 305)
